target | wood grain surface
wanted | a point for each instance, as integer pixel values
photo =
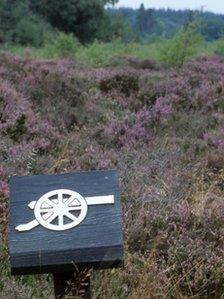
(96, 242)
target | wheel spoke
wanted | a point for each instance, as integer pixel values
(46, 215)
(45, 209)
(51, 218)
(70, 216)
(50, 202)
(60, 219)
(60, 198)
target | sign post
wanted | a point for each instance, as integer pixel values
(65, 224)
(68, 282)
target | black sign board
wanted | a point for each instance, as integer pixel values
(59, 221)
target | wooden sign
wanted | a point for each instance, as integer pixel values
(59, 221)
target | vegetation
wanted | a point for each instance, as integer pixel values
(27, 22)
(137, 90)
(117, 53)
(161, 128)
(18, 25)
(182, 46)
(83, 18)
(149, 23)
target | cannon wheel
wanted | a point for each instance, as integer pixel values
(60, 209)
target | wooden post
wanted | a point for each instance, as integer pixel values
(76, 284)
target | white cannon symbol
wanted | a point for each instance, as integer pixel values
(62, 209)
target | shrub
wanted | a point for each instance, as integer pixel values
(20, 25)
(181, 47)
(31, 30)
(62, 46)
(219, 47)
(126, 83)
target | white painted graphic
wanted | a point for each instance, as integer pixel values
(62, 209)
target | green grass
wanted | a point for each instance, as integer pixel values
(103, 54)
(96, 54)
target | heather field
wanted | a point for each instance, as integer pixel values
(162, 128)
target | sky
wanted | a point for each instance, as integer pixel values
(216, 6)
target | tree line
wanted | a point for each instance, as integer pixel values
(31, 22)
(148, 23)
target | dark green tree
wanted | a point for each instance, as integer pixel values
(190, 17)
(18, 24)
(145, 20)
(141, 19)
(109, 2)
(116, 26)
(212, 29)
(82, 17)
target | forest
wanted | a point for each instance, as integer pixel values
(151, 23)
(31, 22)
(85, 86)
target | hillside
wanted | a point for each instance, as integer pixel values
(163, 130)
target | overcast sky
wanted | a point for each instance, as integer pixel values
(211, 5)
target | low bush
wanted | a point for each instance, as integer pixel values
(182, 47)
(62, 45)
(125, 83)
(219, 47)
